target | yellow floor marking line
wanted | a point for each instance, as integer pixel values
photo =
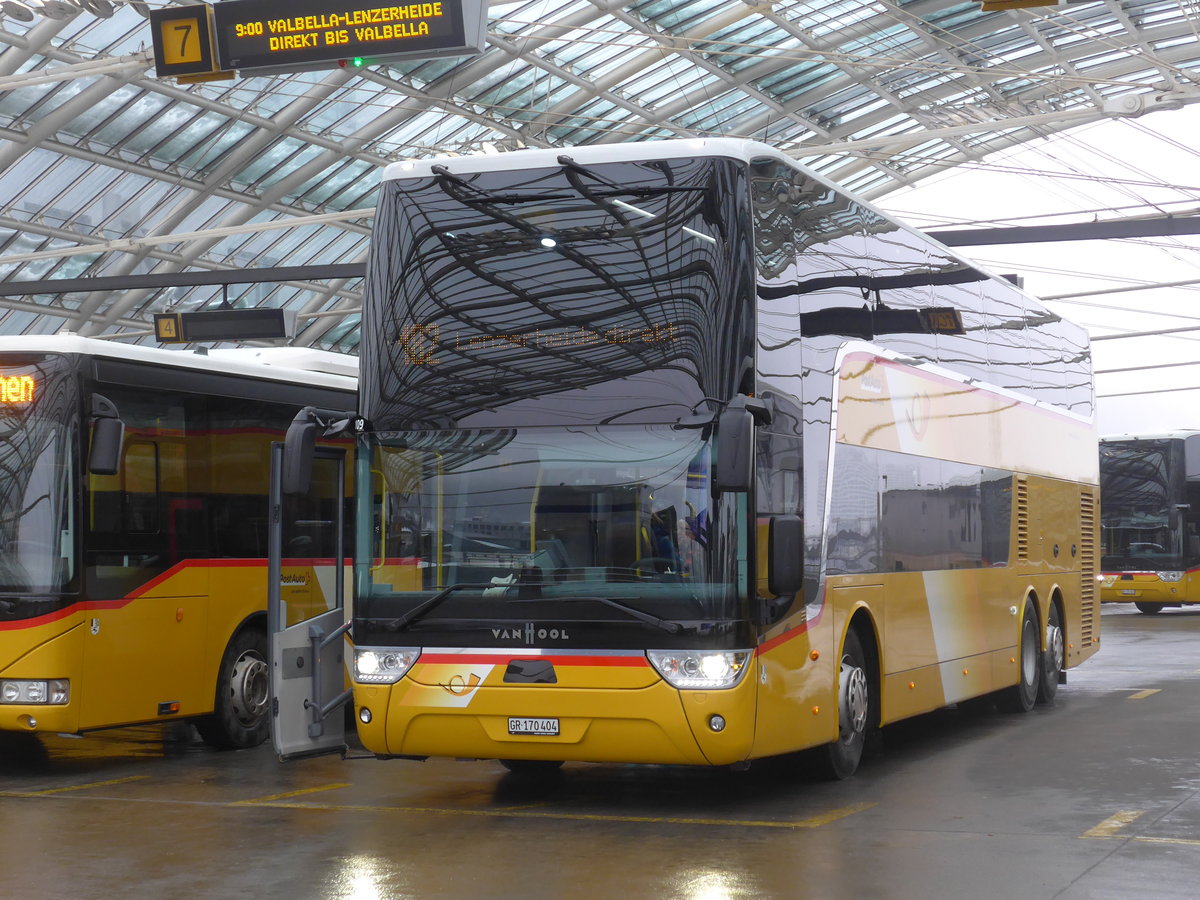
(816, 821)
(1114, 823)
(74, 787)
(300, 793)
(1154, 840)
(1142, 695)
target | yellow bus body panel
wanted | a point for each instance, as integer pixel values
(150, 656)
(57, 648)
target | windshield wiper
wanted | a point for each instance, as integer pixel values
(399, 624)
(668, 625)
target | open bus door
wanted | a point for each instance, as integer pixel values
(306, 608)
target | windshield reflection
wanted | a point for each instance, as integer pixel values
(496, 516)
(36, 522)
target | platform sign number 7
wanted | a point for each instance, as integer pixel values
(182, 41)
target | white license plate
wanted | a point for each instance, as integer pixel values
(548, 727)
(1129, 593)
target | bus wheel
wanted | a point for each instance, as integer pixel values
(1052, 658)
(1022, 696)
(841, 757)
(239, 719)
(532, 768)
(1149, 608)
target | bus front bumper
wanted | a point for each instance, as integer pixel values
(655, 724)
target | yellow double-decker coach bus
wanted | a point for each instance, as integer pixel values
(1150, 521)
(133, 533)
(676, 453)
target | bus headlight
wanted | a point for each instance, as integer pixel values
(27, 691)
(383, 665)
(1170, 576)
(713, 670)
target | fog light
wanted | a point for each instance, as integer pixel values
(716, 723)
(364, 716)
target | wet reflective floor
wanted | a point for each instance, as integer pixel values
(1098, 797)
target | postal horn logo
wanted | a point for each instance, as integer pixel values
(917, 414)
(460, 686)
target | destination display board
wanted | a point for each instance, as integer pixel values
(224, 325)
(292, 35)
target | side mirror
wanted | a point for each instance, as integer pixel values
(1173, 515)
(735, 450)
(785, 555)
(298, 449)
(108, 436)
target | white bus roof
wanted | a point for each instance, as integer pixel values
(292, 364)
(1150, 436)
(590, 154)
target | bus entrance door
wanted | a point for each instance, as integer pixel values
(306, 609)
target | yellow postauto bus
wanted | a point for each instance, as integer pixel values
(1150, 521)
(133, 535)
(676, 453)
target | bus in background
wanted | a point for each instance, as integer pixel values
(133, 535)
(676, 453)
(1150, 520)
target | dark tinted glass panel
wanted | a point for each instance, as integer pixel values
(896, 513)
(135, 516)
(617, 293)
(1141, 486)
(192, 485)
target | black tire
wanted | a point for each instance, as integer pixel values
(1150, 609)
(1053, 658)
(239, 718)
(532, 768)
(858, 713)
(1022, 696)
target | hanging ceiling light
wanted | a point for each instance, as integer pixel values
(15, 9)
(58, 9)
(101, 8)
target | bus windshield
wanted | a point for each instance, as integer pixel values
(1138, 487)
(36, 521)
(610, 523)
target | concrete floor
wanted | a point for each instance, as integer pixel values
(1098, 797)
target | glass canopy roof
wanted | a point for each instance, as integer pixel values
(108, 172)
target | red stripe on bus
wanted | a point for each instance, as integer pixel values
(142, 590)
(790, 634)
(440, 659)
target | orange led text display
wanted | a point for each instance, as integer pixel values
(424, 344)
(16, 388)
